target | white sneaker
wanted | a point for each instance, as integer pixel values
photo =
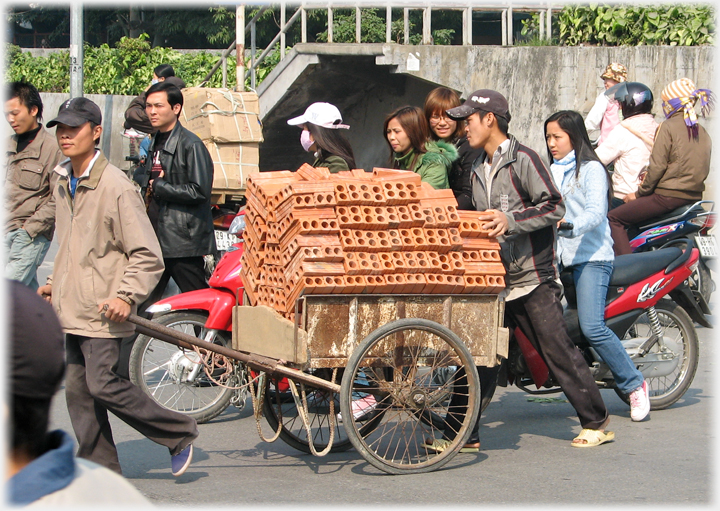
(639, 403)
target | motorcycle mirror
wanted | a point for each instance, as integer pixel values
(237, 226)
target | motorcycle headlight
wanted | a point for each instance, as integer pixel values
(237, 226)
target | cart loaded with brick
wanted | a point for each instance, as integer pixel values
(368, 301)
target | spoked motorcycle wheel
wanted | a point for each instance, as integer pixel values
(162, 370)
(679, 342)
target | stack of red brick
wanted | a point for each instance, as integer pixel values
(354, 232)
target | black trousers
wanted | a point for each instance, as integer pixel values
(539, 316)
(188, 273)
(93, 389)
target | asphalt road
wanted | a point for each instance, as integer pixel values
(526, 459)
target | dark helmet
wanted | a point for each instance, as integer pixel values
(634, 98)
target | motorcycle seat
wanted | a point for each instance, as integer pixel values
(632, 268)
(671, 216)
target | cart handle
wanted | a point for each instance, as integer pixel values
(257, 362)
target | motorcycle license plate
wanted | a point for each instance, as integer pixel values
(707, 246)
(224, 240)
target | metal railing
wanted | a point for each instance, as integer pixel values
(506, 10)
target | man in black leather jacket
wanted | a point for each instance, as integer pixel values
(179, 174)
(176, 183)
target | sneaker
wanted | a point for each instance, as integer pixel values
(361, 408)
(639, 403)
(181, 461)
(441, 444)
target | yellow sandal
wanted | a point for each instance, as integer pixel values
(593, 438)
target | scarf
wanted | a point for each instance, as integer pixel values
(687, 104)
(558, 168)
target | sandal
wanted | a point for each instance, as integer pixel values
(593, 438)
(441, 444)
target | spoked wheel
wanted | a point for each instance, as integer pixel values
(174, 377)
(398, 365)
(669, 367)
(279, 407)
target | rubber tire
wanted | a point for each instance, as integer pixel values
(692, 352)
(137, 356)
(355, 364)
(707, 286)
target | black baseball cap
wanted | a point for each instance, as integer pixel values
(37, 344)
(485, 100)
(76, 112)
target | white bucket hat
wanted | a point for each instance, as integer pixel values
(324, 115)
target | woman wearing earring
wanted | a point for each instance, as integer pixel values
(587, 248)
(407, 134)
(321, 124)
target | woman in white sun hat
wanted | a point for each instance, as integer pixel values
(322, 124)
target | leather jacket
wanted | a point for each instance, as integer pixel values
(184, 226)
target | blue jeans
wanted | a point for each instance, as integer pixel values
(24, 256)
(591, 285)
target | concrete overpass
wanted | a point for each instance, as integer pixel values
(367, 81)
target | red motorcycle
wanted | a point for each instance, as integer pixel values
(175, 377)
(203, 387)
(656, 332)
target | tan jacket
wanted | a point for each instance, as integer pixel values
(679, 164)
(29, 183)
(107, 248)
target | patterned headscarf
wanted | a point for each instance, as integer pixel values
(682, 94)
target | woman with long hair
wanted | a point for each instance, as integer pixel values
(407, 134)
(587, 248)
(321, 124)
(443, 128)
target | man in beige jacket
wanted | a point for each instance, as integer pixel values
(29, 205)
(108, 257)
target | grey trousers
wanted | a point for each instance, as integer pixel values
(92, 389)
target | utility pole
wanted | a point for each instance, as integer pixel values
(240, 47)
(76, 50)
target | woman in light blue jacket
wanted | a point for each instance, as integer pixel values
(587, 248)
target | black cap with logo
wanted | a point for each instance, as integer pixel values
(76, 112)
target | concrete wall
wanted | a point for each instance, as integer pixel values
(367, 82)
(537, 81)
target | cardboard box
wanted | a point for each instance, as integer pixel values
(222, 115)
(233, 163)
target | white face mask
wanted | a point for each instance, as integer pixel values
(306, 140)
(154, 81)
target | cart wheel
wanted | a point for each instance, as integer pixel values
(396, 365)
(281, 404)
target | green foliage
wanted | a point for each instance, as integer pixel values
(530, 33)
(373, 28)
(126, 69)
(616, 25)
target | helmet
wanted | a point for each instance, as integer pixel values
(634, 98)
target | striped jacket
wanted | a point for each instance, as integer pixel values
(522, 187)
